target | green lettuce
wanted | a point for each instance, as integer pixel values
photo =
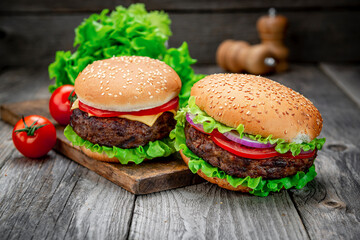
(158, 148)
(282, 146)
(123, 32)
(260, 187)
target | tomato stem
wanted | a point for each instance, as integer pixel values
(72, 98)
(30, 131)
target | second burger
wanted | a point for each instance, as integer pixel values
(125, 109)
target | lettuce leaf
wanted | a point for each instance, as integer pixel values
(158, 148)
(282, 146)
(123, 32)
(260, 187)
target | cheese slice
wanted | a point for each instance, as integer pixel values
(146, 119)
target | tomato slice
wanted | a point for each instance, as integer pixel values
(243, 151)
(253, 153)
(301, 155)
(200, 129)
(172, 104)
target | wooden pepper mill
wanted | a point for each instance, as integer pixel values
(272, 30)
(239, 56)
(270, 55)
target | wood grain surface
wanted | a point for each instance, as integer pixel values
(329, 206)
(346, 76)
(311, 36)
(168, 5)
(54, 198)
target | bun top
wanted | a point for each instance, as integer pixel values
(127, 84)
(263, 106)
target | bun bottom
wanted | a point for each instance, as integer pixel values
(220, 182)
(99, 156)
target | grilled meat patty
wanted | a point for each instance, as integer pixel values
(270, 168)
(120, 132)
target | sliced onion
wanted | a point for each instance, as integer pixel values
(246, 141)
(233, 136)
(190, 117)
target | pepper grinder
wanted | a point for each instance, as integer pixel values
(268, 56)
(272, 30)
(240, 56)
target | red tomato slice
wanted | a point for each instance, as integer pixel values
(301, 155)
(199, 129)
(243, 151)
(172, 104)
(253, 153)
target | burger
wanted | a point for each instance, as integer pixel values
(125, 109)
(250, 134)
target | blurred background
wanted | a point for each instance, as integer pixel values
(319, 30)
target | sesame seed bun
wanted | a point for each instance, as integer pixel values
(99, 156)
(127, 84)
(218, 181)
(263, 106)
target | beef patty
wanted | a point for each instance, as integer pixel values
(270, 168)
(120, 132)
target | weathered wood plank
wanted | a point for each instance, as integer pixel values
(206, 211)
(54, 198)
(329, 206)
(20, 84)
(169, 5)
(309, 38)
(346, 76)
(5, 143)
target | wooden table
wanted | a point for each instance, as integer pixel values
(55, 198)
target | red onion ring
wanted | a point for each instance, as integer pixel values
(246, 141)
(235, 137)
(189, 118)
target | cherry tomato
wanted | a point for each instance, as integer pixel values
(254, 153)
(59, 104)
(172, 104)
(34, 136)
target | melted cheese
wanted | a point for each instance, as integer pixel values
(147, 119)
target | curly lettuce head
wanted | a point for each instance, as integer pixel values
(123, 32)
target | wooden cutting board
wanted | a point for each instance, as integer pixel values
(148, 177)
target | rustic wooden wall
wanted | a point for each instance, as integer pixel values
(320, 30)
